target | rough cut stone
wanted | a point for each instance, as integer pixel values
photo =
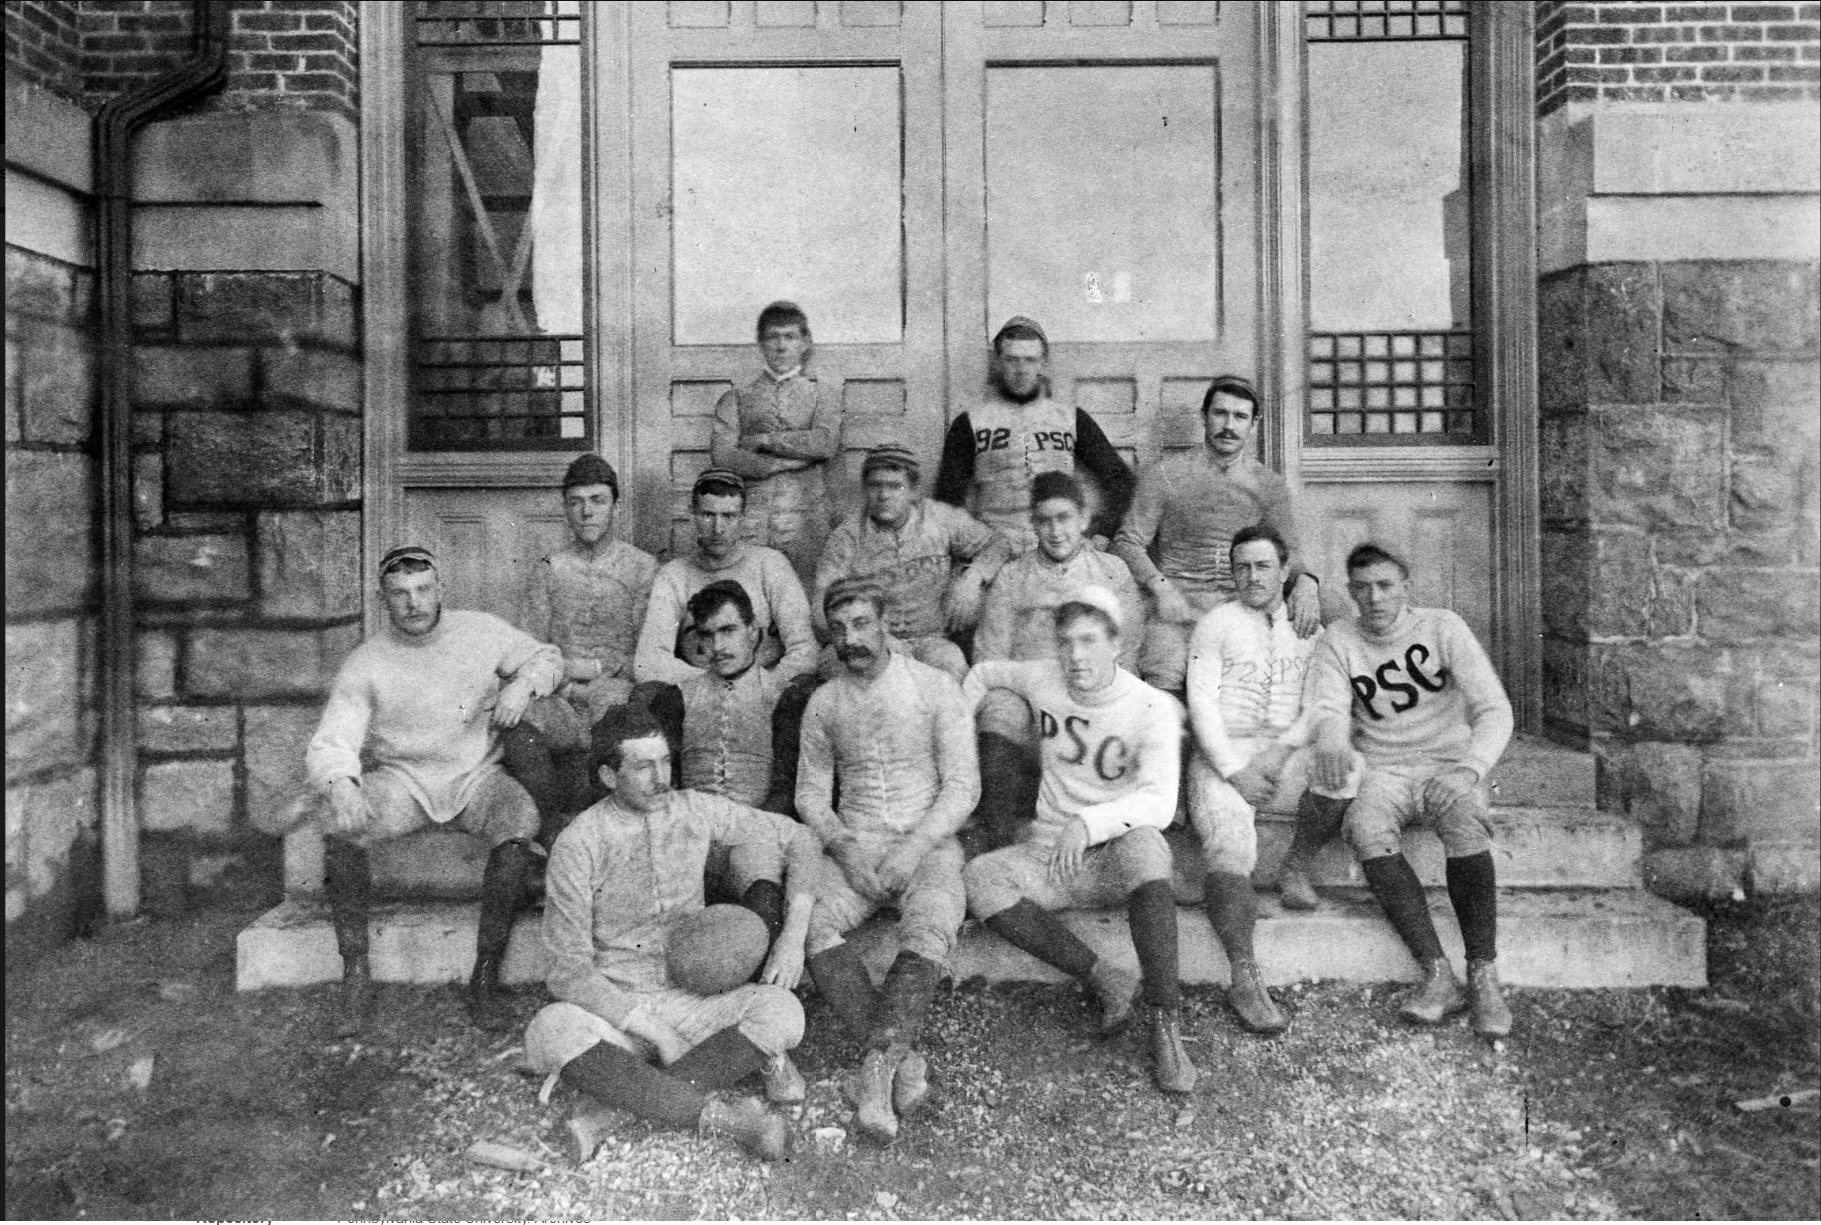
(56, 385)
(284, 308)
(1660, 691)
(1770, 800)
(1658, 468)
(1566, 577)
(156, 665)
(276, 737)
(1768, 489)
(193, 796)
(50, 545)
(179, 569)
(258, 663)
(276, 458)
(309, 564)
(43, 821)
(1784, 869)
(1561, 343)
(1744, 605)
(1694, 380)
(1565, 681)
(154, 305)
(178, 376)
(43, 696)
(1666, 790)
(1695, 874)
(1622, 320)
(148, 491)
(1563, 469)
(1785, 707)
(1776, 404)
(44, 288)
(188, 729)
(312, 378)
(1754, 306)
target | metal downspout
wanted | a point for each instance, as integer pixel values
(115, 125)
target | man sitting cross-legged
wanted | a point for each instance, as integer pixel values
(910, 547)
(622, 876)
(1018, 621)
(1423, 706)
(1246, 668)
(727, 720)
(894, 734)
(1111, 754)
(588, 597)
(410, 738)
(781, 611)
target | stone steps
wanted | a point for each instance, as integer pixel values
(1567, 938)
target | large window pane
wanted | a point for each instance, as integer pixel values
(1102, 198)
(787, 183)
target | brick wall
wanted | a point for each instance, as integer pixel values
(52, 873)
(43, 45)
(1629, 52)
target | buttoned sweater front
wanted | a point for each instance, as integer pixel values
(727, 733)
(1246, 674)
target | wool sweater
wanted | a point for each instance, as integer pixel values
(591, 602)
(779, 608)
(913, 563)
(1112, 758)
(1018, 616)
(727, 733)
(901, 747)
(424, 706)
(1188, 508)
(1422, 694)
(1246, 674)
(992, 454)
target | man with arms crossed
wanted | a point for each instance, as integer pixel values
(1187, 507)
(1425, 709)
(623, 875)
(909, 548)
(894, 736)
(410, 738)
(1246, 672)
(1111, 751)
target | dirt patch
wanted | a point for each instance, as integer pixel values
(1604, 1104)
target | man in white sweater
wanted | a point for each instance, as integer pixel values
(1111, 761)
(410, 737)
(893, 736)
(1246, 668)
(1413, 691)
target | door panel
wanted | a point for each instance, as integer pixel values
(486, 541)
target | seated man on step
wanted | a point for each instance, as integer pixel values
(410, 738)
(780, 609)
(1112, 758)
(588, 597)
(727, 720)
(894, 737)
(910, 547)
(1019, 622)
(1245, 676)
(622, 876)
(1413, 691)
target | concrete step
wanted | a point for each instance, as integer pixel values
(1539, 773)
(1568, 938)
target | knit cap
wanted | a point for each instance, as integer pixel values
(1021, 322)
(591, 469)
(892, 455)
(1099, 598)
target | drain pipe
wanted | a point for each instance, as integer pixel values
(115, 126)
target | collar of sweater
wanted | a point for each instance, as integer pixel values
(1061, 567)
(1107, 694)
(1397, 627)
(416, 642)
(735, 556)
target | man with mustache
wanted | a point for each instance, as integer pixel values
(995, 450)
(1176, 536)
(893, 737)
(410, 738)
(1246, 674)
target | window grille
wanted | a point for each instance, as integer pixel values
(1347, 20)
(1392, 383)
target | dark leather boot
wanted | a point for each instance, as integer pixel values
(1171, 1066)
(1256, 1009)
(1491, 1016)
(873, 1097)
(1437, 998)
(503, 887)
(1294, 888)
(350, 887)
(748, 1124)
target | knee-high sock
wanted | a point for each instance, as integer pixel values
(1233, 911)
(1043, 936)
(786, 744)
(909, 987)
(842, 979)
(528, 759)
(720, 1061)
(1397, 889)
(1151, 912)
(1473, 889)
(765, 898)
(619, 1078)
(1318, 822)
(502, 889)
(350, 887)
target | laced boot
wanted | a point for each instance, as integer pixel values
(1248, 998)
(1171, 1066)
(783, 1083)
(589, 1129)
(1437, 998)
(910, 1083)
(1491, 1016)
(356, 1004)
(489, 1004)
(748, 1124)
(1117, 990)
(1294, 888)
(873, 1096)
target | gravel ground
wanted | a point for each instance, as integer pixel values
(1604, 1104)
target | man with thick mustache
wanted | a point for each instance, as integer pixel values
(893, 736)
(994, 451)
(1177, 534)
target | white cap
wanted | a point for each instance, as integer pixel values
(1099, 598)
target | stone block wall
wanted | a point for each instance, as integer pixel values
(44, 45)
(52, 851)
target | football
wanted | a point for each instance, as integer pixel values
(717, 949)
